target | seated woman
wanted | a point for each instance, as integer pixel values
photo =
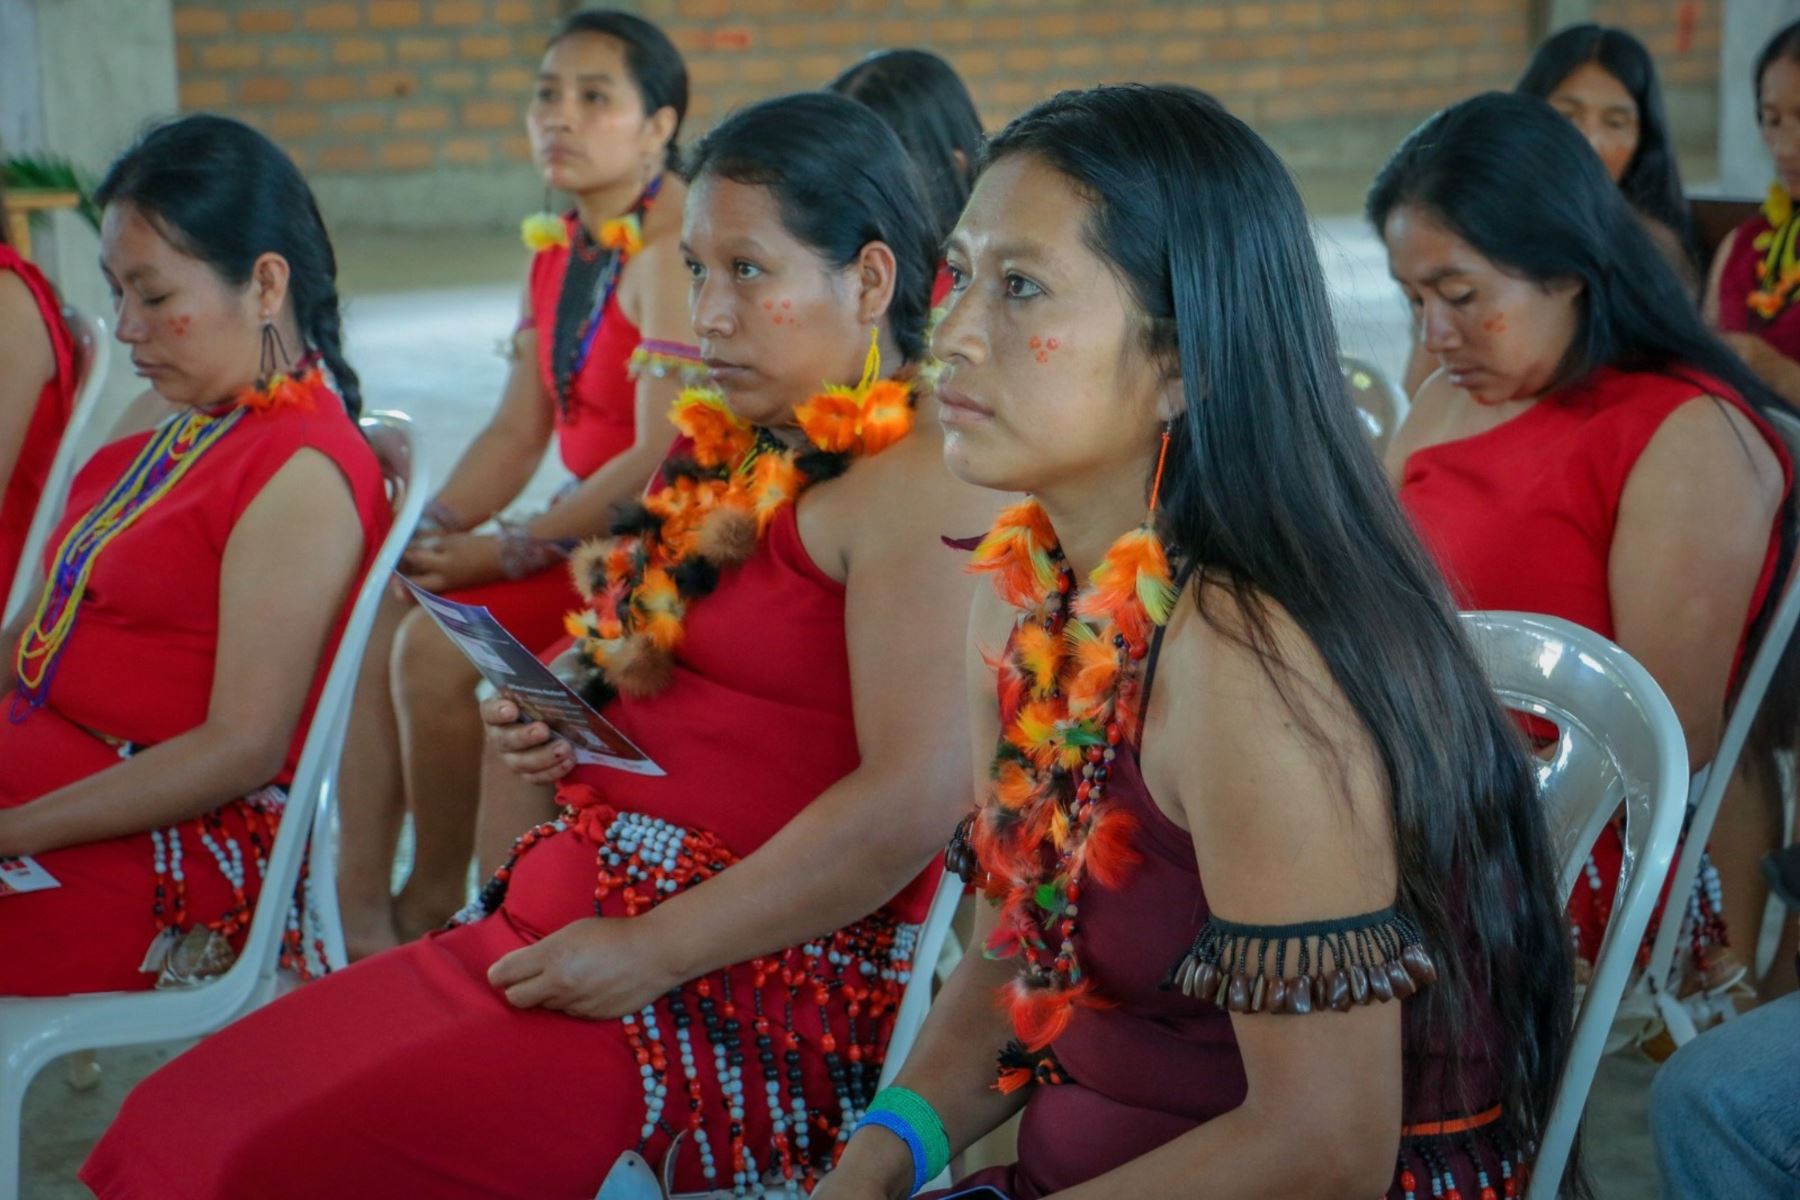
(598, 357)
(1589, 450)
(1241, 761)
(1604, 81)
(924, 100)
(1751, 291)
(714, 953)
(162, 684)
(37, 396)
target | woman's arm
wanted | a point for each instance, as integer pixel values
(1709, 298)
(1687, 551)
(866, 836)
(657, 289)
(1288, 826)
(952, 1064)
(30, 363)
(289, 564)
(505, 454)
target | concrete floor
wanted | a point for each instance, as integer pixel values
(423, 317)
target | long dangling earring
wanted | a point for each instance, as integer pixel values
(273, 361)
(1162, 458)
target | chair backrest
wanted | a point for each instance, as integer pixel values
(1707, 793)
(1716, 216)
(1380, 404)
(915, 1002)
(93, 352)
(1619, 743)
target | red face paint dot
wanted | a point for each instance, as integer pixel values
(1495, 324)
(787, 304)
(1055, 344)
(1042, 357)
(1036, 342)
(768, 305)
(779, 318)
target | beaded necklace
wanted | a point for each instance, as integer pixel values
(1778, 269)
(164, 461)
(1070, 688)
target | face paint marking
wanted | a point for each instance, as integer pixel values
(1494, 324)
(179, 326)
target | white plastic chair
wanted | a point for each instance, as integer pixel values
(34, 1031)
(1619, 744)
(1707, 791)
(1380, 404)
(93, 351)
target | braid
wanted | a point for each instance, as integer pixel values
(323, 329)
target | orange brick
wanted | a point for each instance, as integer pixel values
(328, 87)
(1275, 45)
(358, 51)
(1027, 58)
(296, 122)
(1302, 14)
(953, 29)
(395, 14)
(483, 47)
(515, 12)
(1154, 20)
(761, 8)
(1128, 54)
(302, 158)
(840, 33)
(231, 56)
(344, 156)
(265, 21)
(1056, 26)
(203, 93)
(468, 152)
(422, 118)
(922, 5)
(511, 81)
(408, 155)
(820, 67)
(455, 81)
(362, 121)
(456, 12)
(999, 29)
(516, 148)
(388, 85)
(707, 73)
(764, 71)
(200, 22)
(422, 49)
(185, 58)
(1179, 51)
(1086, 54)
(1252, 16)
(1259, 79)
(295, 54)
(787, 37)
(1101, 24)
(491, 114)
(978, 62)
(264, 89)
(331, 18)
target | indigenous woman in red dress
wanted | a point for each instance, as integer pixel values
(37, 395)
(701, 966)
(1240, 769)
(1589, 449)
(1756, 272)
(161, 685)
(599, 355)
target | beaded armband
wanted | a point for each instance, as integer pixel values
(660, 360)
(1305, 967)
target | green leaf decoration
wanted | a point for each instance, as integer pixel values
(39, 173)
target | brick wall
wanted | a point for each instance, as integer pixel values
(411, 110)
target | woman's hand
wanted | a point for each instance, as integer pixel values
(598, 969)
(876, 1166)
(529, 750)
(16, 840)
(453, 560)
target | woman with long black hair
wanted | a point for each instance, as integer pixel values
(1244, 787)
(700, 966)
(1591, 450)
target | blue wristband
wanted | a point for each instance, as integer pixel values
(901, 1128)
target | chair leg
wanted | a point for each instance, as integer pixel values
(82, 1072)
(12, 1104)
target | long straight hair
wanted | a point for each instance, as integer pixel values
(1652, 180)
(1272, 489)
(1556, 217)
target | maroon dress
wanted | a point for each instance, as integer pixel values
(1123, 1080)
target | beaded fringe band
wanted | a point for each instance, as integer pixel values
(663, 360)
(865, 967)
(1427, 1156)
(1337, 964)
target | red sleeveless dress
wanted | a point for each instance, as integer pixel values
(1132, 1077)
(1521, 518)
(138, 669)
(1737, 279)
(435, 1087)
(55, 404)
(597, 423)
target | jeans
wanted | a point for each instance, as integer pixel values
(1725, 1110)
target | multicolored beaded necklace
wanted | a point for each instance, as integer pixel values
(1778, 269)
(166, 458)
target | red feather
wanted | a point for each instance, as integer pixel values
(1106, 853)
